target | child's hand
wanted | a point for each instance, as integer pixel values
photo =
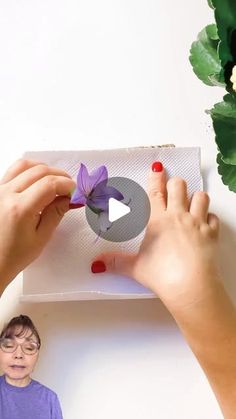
(34, 198)
(177, 258)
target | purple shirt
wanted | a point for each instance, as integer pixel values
(35, 401)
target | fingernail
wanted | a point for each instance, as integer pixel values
(98, 266)
(157, 166)
(74, 206)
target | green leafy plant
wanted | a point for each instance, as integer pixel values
(213, 58)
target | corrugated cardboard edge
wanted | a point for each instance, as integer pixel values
(81, 296)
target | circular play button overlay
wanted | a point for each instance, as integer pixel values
(124, 219)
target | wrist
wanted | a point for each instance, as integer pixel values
(209, 327)
(195, 303)
(208, 323)
(184, 298)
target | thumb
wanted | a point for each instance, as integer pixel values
(115, 262)
(52, 215)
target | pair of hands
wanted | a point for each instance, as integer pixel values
(176, 258)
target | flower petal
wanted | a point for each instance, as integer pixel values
(78, 197)
(104, 222)
(83, 180)
(93, 190)
(98, 175)
(98, 203)
(114, 193)
(99, 198)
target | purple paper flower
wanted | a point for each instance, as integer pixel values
(92, 190)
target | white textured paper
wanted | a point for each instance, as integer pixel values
(62, 272)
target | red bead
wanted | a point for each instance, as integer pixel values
(157, 166)
(98, 266)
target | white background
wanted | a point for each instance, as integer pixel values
(76, 74)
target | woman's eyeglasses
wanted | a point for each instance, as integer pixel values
(10, 345)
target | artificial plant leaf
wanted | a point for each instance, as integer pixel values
(225, 16)
(227, 173)
(204, 57)
(224, 121)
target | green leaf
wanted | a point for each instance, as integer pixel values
(217, 79)
(204, 57)
(224, 121)
(227, 172)
(212, 32)
(210, 3)
(225, 16)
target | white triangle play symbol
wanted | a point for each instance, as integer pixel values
(116, 210)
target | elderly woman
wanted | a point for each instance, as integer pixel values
(21, 397)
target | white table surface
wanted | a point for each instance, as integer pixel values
(84, 75)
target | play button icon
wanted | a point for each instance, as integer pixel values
(125, 219)
(116, 210)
